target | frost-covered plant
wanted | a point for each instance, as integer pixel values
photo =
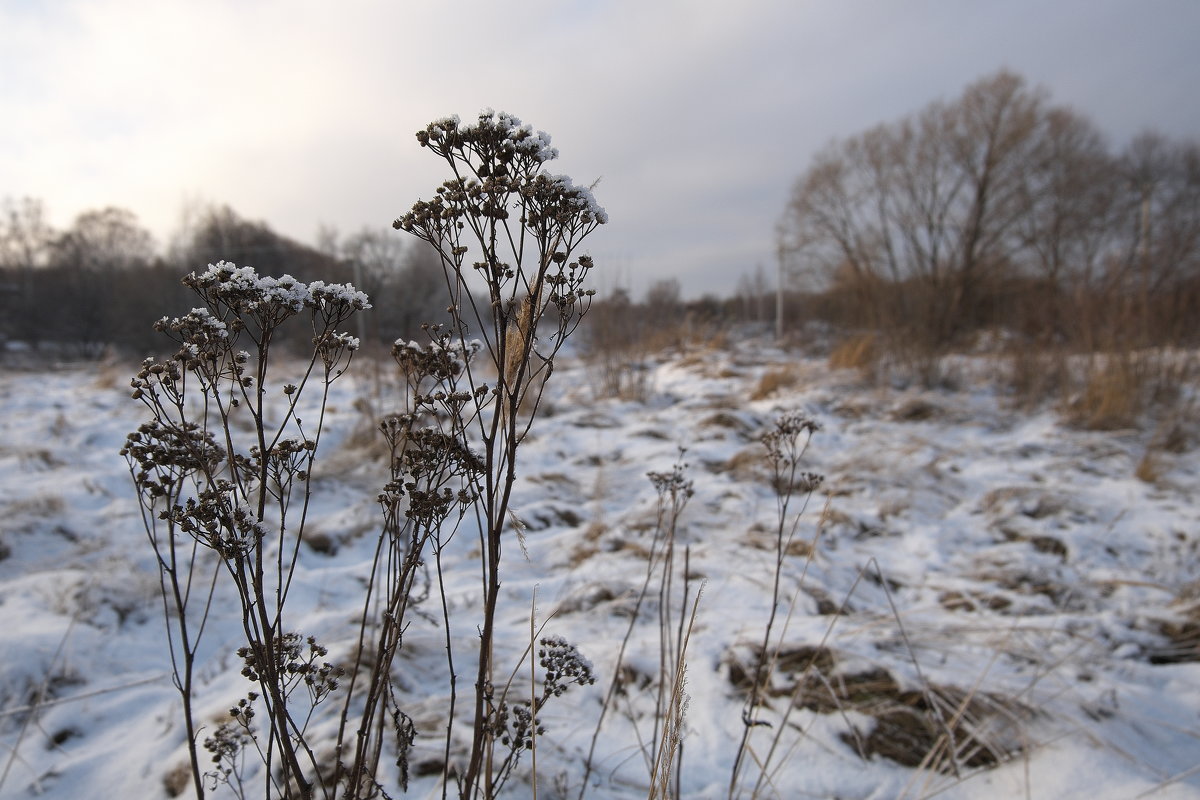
(221, 503)
(786, 443)
(216, 502)
(507, 234)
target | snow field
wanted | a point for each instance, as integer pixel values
(967, 574)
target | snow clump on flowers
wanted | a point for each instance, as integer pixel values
(342, 293)
(198, 331)
(346, 340)
(244, 290)
(502, 134)
(580, 198)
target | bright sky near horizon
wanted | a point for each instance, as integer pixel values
(696, 116)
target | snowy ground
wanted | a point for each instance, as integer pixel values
(975, 569)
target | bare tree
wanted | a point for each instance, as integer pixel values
(1070, 199)
(916, 221)
(79, 297)
(404, 275)
(1163, 218)
(25, 237)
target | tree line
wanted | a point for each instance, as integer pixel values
(995, 210)
(101, 283)
(1001, 210)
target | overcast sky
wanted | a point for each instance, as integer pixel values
(696, 116)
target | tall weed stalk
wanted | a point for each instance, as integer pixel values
(663, 754)
(505, 228)
(221, 495)
(226, 498)
(785, 443)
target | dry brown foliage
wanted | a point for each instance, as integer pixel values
(773, 380)
(861, 352)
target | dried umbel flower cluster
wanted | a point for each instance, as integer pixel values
(501, 134)
(434, 468)
(674, 484)
(499, 180)
(227, 743)
(786, 444)
(295, 660)
(229, 289)
(240, 492)
(165, 454)
(564, 665)
(516, 724)
(226, 483)
(216, 519)
(503, 220)
(435, 371)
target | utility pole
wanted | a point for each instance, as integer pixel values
(779, 293)
(1144, 258)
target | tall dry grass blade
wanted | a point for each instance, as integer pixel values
(38, 696)
(672, 732)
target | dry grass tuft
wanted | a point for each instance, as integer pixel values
(724, 420)
(1148, 469)
(773, 380)
(587, 598)
(1177, 433)
(761, 539)
(589, 544)
(321, 542)
(916, 410)
(46, 506)
(1182, 631)
(861, 352)
(943, 728)
(1112, 396)
(972, 601)
(111, 374)
(1184, 641)
(744, 465)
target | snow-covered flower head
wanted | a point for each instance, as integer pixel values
(244, 291)
(495, 137)
(198, 332)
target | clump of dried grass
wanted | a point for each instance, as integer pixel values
(937, 727)
(1149, 469)
(178, 779)
(589, 544)
(1112, 397)
(1121, 390)
(1182, 630)
(760, 538)
(861, 352)
(773, 380)
(916, 409)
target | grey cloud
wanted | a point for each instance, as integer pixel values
(697, 116)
